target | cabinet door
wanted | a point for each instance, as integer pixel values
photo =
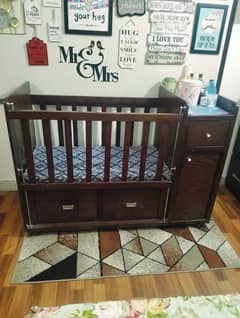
(195, 186)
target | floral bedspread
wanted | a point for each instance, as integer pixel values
(218, 306)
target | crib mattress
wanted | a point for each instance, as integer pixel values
(98, 153)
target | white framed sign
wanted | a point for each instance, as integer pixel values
(32, 11)
(128, 43)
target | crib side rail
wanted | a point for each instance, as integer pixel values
(68, 118)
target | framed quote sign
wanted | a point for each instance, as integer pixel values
(88, 17)
(208, 28)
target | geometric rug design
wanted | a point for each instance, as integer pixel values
(97, 254)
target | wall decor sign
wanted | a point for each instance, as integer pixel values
(128, 44)
(11, 17)
(171, 6)
(130, 7)
(168, 40)
(208, 28)
(52, 3)
(88, 17)
(88, 62)
(169, 22)
(32, 11)
(165, 58)
(37, 52)
(54, 32)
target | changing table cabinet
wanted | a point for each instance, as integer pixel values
(206, 143)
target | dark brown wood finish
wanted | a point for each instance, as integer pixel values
(144, 148)
(107, 143)
(60, 128)
(48, 145)
(75, 129)
(68, 141)
(28, 150)
(104, 109)
(118, 129)
(127, 142)
(88, 150)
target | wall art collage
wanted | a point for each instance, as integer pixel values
(168, 42)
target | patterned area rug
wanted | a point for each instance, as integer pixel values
(96, 254)
(218, 306)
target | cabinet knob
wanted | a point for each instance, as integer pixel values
(189, 159)
(208, 135)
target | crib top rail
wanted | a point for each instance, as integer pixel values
(94, 116)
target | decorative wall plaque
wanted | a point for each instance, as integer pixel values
(52, 3)
(32, 11)
(128, 43)
(171, 6)
(37, 52)
(170, 22)
(165, 58)
(130, 7)
(54, 32)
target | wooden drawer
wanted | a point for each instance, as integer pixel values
(132, 204)
(62, 206)
(207, 133)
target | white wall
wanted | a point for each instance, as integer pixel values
(62, 78)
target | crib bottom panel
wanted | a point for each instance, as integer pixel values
(85, 210)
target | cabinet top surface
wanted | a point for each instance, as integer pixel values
(206, 111)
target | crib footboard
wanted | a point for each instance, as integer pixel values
(69, 182)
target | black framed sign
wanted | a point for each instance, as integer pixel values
(88, 17)
(208, 28)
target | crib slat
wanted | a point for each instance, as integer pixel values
(75, 129)
(68, 140)
(43, 107)
(127, 142)
(60, 128)
(48, 144)
(88, 150)
(104, 109)
(133, 109)
(118, 129)
(107, 143)
(144, 147)
(162, 150)
(28, 150)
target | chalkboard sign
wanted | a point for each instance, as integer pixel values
(130, 7)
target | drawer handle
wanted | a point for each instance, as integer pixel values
(68, 207)
(189, 159)
(208, 135)
(131, 204)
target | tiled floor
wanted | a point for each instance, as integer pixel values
(123, 252)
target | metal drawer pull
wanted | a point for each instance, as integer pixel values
(131, 204)
(208, 135)
(236, 177)
(68, 207)
(189, 159)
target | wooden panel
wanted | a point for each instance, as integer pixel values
(68, 140)
(64, 206)
(207, 133)
(195, 186)
(107, 142)
(88, 150)
(127, 142)
(144, 147)
(130, 204)
(48, 144)
(75, 129)
(104, 109)
(28, 150)
(60, 128)
(118, 129)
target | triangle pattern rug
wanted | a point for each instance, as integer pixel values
(98, 254)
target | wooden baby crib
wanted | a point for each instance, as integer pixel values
(66, 182)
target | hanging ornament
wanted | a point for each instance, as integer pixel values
(37, 52)
(54, 29)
